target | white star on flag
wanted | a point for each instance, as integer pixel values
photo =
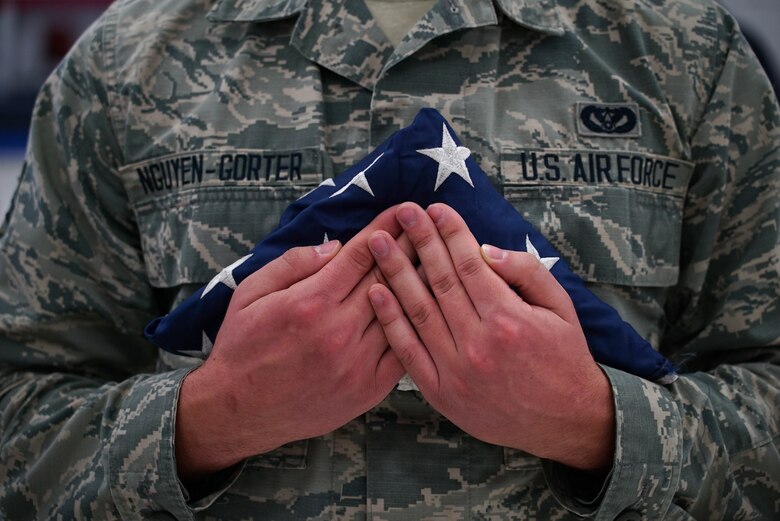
(451, 158)
(328, 182)
(205, 348)
(548, 262)
(225, 276)
(359, 180)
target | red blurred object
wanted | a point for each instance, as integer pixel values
(58, 41)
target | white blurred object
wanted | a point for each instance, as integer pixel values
(25, 59)
(28, 54)
(759, 20)
(10, 170)
(21, 49)
(407, 384)
(8, 16)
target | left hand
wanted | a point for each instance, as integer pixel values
(509, 369)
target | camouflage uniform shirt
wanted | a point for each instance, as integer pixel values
(639, 135)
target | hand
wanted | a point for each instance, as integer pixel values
(299, 354)
(510, 370)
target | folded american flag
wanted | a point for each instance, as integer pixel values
(424, 163)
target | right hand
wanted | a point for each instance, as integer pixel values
(299, 354)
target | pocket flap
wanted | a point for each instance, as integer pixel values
(197, 212)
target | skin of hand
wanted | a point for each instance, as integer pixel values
(509, 367)
(299, 354)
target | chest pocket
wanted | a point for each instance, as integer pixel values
(615, 216)
(199, 211)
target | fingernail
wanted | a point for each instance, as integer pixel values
(378, 245)
(406, 217)
(492, 252)
(376, 298)
(436, 213)
(326, 248)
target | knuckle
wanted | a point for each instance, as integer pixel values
(334, 342)
(505, 329)
(292, 257)
(378, 277)
(470, 267)
(240, 297)
(392, 269)
(407, 355)
(360, 258)
(422, 239)
(307, 310)
(444, 283)
(421, 313)
(480, 360)
(448, 231)
(528, 263)
(236, 324)
(387, 319)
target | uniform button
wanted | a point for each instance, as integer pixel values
(629, 515)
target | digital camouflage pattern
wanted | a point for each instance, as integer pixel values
(173, 135)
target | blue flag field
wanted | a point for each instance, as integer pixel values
(424, 163)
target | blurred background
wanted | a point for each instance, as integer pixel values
(36, 34)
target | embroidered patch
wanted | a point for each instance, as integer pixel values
(608, 119)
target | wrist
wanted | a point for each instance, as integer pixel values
(203, 444)
(598, 445)
(589, 443)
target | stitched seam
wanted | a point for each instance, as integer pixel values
(110, 57)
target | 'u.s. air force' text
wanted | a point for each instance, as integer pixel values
(181, 171)
(609, 168)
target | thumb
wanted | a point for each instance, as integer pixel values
(532, 280)
(292, 266)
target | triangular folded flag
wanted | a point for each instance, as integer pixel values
(424, 163)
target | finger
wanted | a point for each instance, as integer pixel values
(357, 303)
(292, 266)
(373, 342)
(375, 275)
(407, 247)
(535, 284)
(338, 278)
(387, 373)
(380, 361)
(438, 264)
(403, 340)
(423, 276)
(479, 281)
(416, 301)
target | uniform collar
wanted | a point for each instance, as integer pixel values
(254, 10)
(539, 15)
(344, 37)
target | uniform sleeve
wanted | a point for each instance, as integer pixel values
(707, 446)
(84, 432)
